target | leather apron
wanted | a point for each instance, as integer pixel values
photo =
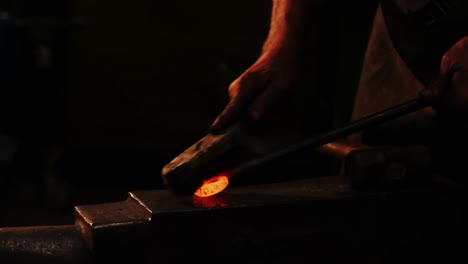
(403, 55)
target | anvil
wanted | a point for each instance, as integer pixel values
(317, 220)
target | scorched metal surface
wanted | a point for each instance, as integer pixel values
(319, 220)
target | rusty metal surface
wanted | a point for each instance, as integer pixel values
(132, 223)
(43, 244)
(110, 226)
(319, 220)
(162, 202)
(298, 220)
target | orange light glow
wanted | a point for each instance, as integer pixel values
(213, 186)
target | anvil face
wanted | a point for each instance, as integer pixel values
(296, 221)
(319, 220)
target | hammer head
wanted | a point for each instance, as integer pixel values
(201, 161)
(389, 167)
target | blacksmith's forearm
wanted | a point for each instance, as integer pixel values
(288, 21)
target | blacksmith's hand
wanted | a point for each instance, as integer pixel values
(260, 87)
(454, 80)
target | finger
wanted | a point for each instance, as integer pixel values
(264, 102)
(227, 116)
(435, 91)
(241, 92)
(459, 96)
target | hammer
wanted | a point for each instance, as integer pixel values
(206, 158)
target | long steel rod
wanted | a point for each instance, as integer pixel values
(330, 136)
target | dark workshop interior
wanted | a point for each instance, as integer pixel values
(96, 97)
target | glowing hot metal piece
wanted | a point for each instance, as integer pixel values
(212, 186)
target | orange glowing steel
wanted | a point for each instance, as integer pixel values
(213, 186)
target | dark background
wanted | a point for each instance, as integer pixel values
(97, 96)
